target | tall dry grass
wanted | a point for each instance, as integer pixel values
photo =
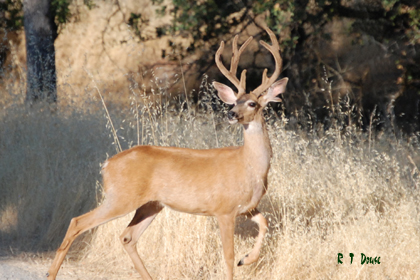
(335, 191)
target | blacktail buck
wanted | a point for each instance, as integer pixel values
(224, 182)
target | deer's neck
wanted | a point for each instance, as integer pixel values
(257, 147)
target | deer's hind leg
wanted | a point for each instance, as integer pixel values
(141, 220)
(259, 219)
(100, 215)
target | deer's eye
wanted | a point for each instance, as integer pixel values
(252, 104)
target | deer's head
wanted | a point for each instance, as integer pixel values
(247, 106)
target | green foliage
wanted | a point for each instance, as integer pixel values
(209, 19)
(414, 31)
(11, 15)
(204, 20)
(61, 10)
(89, 4)
(162, 11)
(279, 14)
(11, 12)
(137, 21)
(157, 2)
(388, 4)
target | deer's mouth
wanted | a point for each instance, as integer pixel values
(233, 117)
(238, 119)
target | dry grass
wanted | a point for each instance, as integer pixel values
(329, 193)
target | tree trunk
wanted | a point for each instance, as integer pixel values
(40, 33)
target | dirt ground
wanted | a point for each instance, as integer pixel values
(21, 269)
(28, 267)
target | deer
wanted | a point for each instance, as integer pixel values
(221, 182)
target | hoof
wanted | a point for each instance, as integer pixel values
(242, 262)
(47, 274)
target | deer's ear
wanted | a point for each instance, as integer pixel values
(225, 93)
(274, 90)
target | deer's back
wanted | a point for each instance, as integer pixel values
(187, 180)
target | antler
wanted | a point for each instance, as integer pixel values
(275, 51)
(231, 75)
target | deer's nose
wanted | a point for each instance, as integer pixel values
(232, 115)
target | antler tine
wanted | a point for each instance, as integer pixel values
(222, 68)
(274, 49)
(265, 78)
(231, 75)
(237, 53)
(241, 50)
(234, 61)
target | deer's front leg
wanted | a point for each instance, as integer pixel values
(259, 219)
(227, 227)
